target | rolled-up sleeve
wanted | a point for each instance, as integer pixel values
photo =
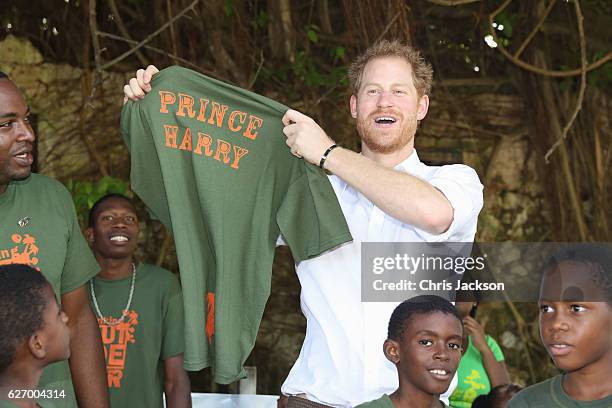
(461, 186)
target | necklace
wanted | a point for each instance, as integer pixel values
(125, 310)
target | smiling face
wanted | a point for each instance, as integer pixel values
(428, 352)
(16, 135)
(387, 106)
(114, 234)
(575, 321)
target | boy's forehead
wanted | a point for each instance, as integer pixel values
(116, 203)
(572, 281)
(435, 322)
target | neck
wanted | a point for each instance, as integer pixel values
(391, 159)
(114, 269)
(586, 385)
(408, 396)
(20, 376)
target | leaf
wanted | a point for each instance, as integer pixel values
(312, 36)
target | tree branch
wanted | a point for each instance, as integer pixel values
(124, 32)
(583, 83)
(535, 29)
(150, 37)
(533, 68)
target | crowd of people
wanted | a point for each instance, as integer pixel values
(83, 323)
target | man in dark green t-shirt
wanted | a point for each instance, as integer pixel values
(576, 329)
(210, 161)
(38, 226)
(140, 313)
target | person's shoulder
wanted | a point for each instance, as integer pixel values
(536, 395)
(158, 274)
(42, 185)
(382, 402)
(462, 171)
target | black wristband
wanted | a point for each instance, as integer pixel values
(327, 152)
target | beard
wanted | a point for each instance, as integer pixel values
(382, 140)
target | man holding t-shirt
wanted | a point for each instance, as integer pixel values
(38, 226)
(387, 195)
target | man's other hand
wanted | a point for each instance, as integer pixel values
(138, 87)
(305, 137)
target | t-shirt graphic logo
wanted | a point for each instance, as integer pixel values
(475, 385)
(115, 339)
(23, 252)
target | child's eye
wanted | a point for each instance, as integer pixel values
(130, 220)
(454, 346)
(545, 309)
(577, 308)
(6, 124)
(425, 342)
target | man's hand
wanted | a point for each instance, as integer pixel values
(138, 87)
(305, 137)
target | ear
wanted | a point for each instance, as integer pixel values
(353, 104)
(89, 235)
(391, 350)
(423, 107)
(36, 346)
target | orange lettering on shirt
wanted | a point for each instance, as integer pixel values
(166, 98)
(171, 132)
(217, 114)
(24, 251)
(203, 104)
(223, 148)
(254, 123)
(186, 145)
(185, 102)
(238, 153)
(230, 123)
(115, 339)
(204, 141)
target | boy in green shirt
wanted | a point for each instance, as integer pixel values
(424, 342)
(33, 334)
(140, 313)
(576, 329)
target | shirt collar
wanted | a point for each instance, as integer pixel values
(410, 164)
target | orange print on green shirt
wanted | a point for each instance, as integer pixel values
(115, 338)
(24, 251)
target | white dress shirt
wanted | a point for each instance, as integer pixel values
(341, 362)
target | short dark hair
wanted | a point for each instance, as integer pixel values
(423, 304)
(3, 75)
(22, 303)
(597, 256)
(93, 213)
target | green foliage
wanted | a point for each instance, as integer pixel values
(86, 193)
(311, 32)
(228, 7)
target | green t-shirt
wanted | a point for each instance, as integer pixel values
(153, 331)
(210, 161)
(472, 378)
(38, 226)
(7, 404)
(385, 402)
(550, 394)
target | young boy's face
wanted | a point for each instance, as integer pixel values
(428, 352)
(54, 333)
(575, 322)
(115, 232)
